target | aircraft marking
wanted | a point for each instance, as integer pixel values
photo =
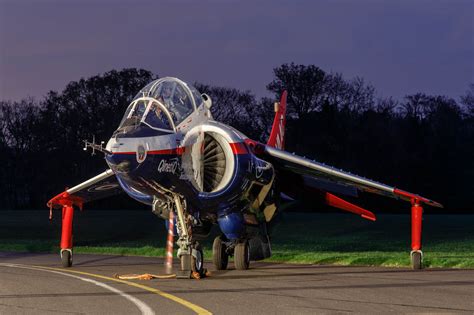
(141, 153)
(168, 166)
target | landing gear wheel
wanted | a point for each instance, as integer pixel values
(66, 258)
(197, 260)
(416, 260)
(185, 262)
(185, 271)
(242, 256)
(219, 254)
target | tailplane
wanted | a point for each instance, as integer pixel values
(277, 135)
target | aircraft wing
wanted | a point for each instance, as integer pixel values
(321, 174)
(98, 187)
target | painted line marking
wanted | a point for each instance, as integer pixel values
(195, 308)
(144, 308)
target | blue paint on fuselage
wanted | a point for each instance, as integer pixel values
(232, 224)
(156, 172)
(133, 193)
(144, 177)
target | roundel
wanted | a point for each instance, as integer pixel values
(141, 153)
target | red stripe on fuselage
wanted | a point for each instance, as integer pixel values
(237, 148)
(177, 151)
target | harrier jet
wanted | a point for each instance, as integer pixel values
(169, 153)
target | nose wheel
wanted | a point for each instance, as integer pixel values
(197, 260)
(192, 265)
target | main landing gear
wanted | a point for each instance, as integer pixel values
(242, 256)
(220, 258)
(221, 251)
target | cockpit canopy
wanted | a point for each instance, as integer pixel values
(162, 104)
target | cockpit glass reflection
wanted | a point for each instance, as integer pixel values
(134, 113)
(176, 99)
(156, 117)
(179, 98)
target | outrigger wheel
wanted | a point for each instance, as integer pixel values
(220, 258)
(242, 255)
(416, 260)
(66, 258)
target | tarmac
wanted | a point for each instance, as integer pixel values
(36, 284)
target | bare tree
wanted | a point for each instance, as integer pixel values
(468, 100)
(305, 86)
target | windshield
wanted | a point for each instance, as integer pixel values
(157, 117)
(178, 97)
(134, 113)
(196, 95)
(148, 111)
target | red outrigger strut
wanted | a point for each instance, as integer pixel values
(416, 218)
(416, 223)
(67, 202)
(66, 227)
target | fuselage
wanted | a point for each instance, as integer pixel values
(206, 162)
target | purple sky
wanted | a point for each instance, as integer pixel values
(401, 47)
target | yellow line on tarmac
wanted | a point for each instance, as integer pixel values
(197, 309)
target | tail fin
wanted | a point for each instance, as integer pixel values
(277, 136)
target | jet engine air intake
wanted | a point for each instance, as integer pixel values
(210, 162)
(218, 162)
(214, 163)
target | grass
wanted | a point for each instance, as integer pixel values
(341, 239)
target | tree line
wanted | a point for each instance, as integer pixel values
(422, 143)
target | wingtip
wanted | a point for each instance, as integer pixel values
(410, 197)
(435, 204)
(369, 217)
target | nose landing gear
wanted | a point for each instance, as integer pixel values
(190, 252)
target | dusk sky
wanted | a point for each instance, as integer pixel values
(400, 47)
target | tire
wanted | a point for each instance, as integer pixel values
(197, 263)
(185, 262)
(66, 258)
(219, 255)
(242, 256)
(416, 262)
